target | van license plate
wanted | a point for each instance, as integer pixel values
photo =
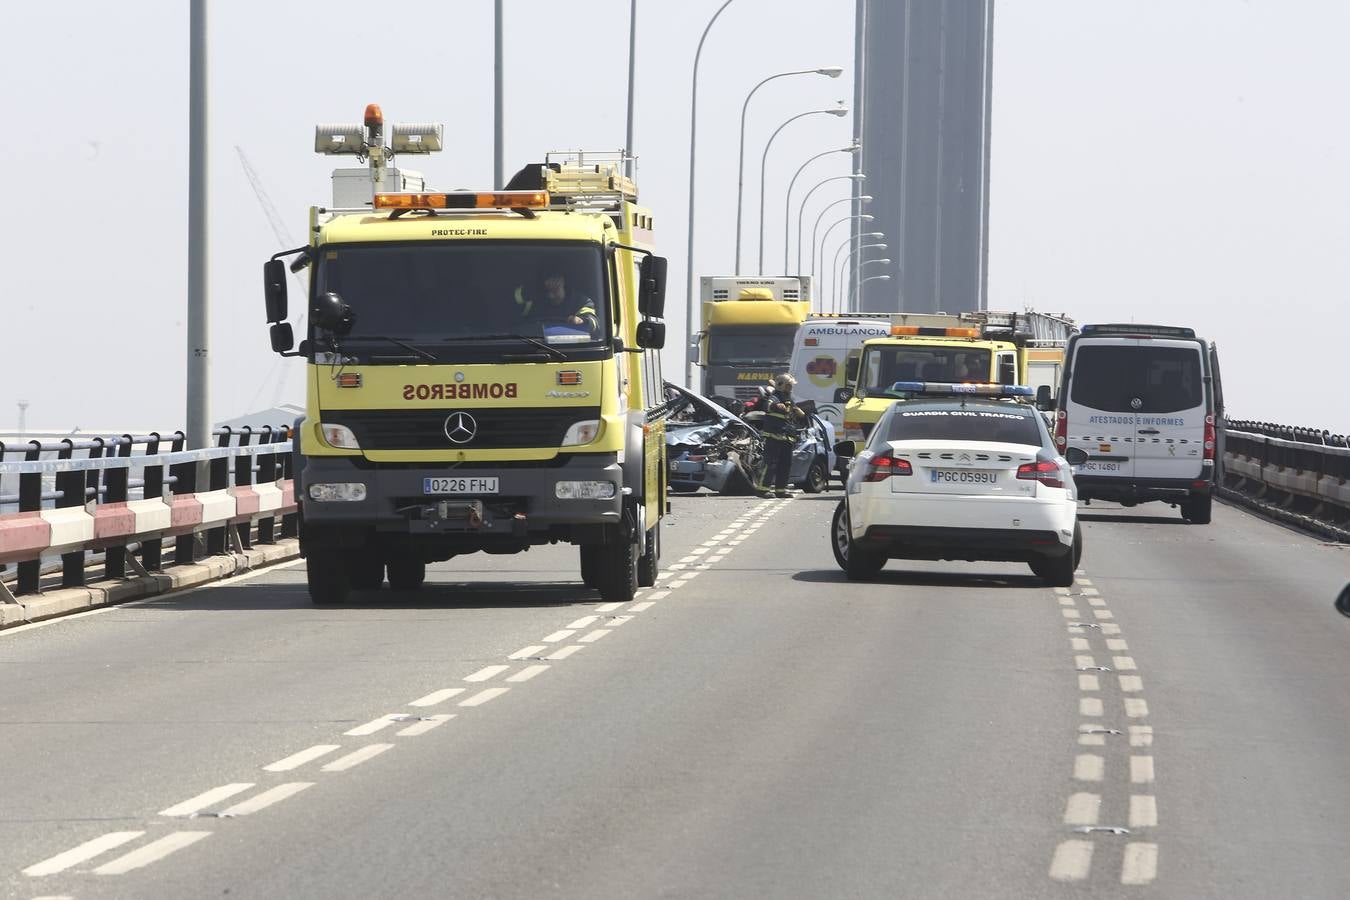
(1098, 467)
(467, 485)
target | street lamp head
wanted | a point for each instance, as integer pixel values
(878, 278)
(840, 110)
(866, 218)
(874, 234)
(866, 198)
(832, 71)
(875, 247)
(851, 148)
(884, 261)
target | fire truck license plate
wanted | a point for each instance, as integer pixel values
(479, 485)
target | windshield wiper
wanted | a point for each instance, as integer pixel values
(424, 354)
(535, 342)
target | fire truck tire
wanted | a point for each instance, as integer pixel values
(618, 569)
(365, 570)
(590, 565)
(327, 578)
(650, 562)
(406, 574)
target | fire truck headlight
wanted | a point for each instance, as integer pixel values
(582, 433)
(339, 436)
(349, 491)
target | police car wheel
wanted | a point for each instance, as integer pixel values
(326, 578)
(1055, 571)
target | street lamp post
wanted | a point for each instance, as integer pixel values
(856, 178)
(787, 205)
(857, 267)
(856, 217)
(829, 71)
(837, 266)
(815, 229)
(840, 110)
(689, 252)
(853, 297)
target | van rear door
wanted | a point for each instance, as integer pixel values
(1099, 418)
(1170, 424)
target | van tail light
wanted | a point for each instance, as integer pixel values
(1045, 471)
(884, 465)
(1209, 436)
(1061, 430)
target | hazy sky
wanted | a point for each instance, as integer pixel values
(1176, 161)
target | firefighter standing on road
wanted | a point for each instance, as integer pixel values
(781, 418)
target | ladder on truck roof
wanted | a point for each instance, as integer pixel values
(588, 179)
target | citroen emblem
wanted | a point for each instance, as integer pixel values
(460, 427)
(1136, 403)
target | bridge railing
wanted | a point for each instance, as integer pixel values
(1294, 473)
(121, 498)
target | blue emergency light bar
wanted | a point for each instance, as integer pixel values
(943, 387)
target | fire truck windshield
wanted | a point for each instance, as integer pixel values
(470, 299)
(750, 345)
(885, 365)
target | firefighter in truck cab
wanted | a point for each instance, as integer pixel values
(549, 302)
(781, 420)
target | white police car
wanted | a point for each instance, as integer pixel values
(959, 471)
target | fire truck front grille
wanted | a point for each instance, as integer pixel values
(472, 429)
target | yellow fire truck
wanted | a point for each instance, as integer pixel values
(483, 369)
(748, 327)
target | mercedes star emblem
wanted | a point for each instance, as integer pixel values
(460, 427)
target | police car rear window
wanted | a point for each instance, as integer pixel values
(1160, 379)
(1011, 426)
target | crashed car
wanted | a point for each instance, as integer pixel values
(709, 446)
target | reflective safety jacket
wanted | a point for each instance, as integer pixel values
(581, 307)
(780, 418)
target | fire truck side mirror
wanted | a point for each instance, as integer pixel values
(851, 370)
(283, 338)
(332, 315)
(652, 289)
(651, 335)
(274, 289)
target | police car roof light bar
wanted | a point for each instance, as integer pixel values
(949, 388)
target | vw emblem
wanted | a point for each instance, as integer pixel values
(1136, 403)
(460, 427)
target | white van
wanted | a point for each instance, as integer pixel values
(1144, 403)
(820, 354)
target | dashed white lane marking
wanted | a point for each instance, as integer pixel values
(1117, 644)
(1110, 628)
(1088, 767)
(1090, 592)
(689, 576)
(425, 725)
(295, 760)
(1141, 735)
(208, 798)
(711, 543)
(559, 636)
(1136, 707)
(1091, 740)
(1070, 613)
(1140, 865)
(1080, 643)
(1083, 809)
(266, 799)
(1072, 861)
(1091, 707)
(486, 673)
(1143, 811)
(1066, 601)
(1063, 591)
(484, 696)
(373, 725)
(608, 607)
(718, 558)
(86, 851)
(658, 595)
(697, 552)
(527, 673)
(618, 620)
(532, 650)
(356, 757)
(1096, 601)
(1131, 684)
(1141, 770)
(642, 607)
(437, 697)
(592, 637)
(1124, 663)
(1084, 661)
(1089, 683)
(151, 852)
(584, 622)
(563, 652)
(687, 559)
(1103, 614)
(1082, 582)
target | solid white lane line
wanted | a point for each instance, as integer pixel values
(1117, 644)
(1124, 662)
(1136, 707)
(658, 595)
(1088, 767)
(209, 798)
(527, 673)
(1141, 769)
(425, 725)
(356, 757)
(86, 851)
(266, 799)
(559, 636)
(1069, 613)
(563, 652)
(486, 673)
(1082, 809)
(436, 697)
(584, 622)
(295, 760)
(1143, 811)
(1131, 684)
(1088, 683)
(1084, 661)
(373, 725)
(641, 607)
(532, 650)
(484, 696)
(608, 607)
(1090, 706)
(593, 636)
(1141, 735)
(151, 852)
(1072, 861)
(1080, 643)
(1140, 865)
(1103, 614)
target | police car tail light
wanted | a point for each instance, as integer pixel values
(464, 200)
(581, 433)
(1209, 437)
(1061, 430)
(884, 465)
(1045, 471)
(339, 436)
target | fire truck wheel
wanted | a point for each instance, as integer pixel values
(618, 568)
(327, 578)
(406, 574)
(650, 561)
(590, 565)
(365, 570)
